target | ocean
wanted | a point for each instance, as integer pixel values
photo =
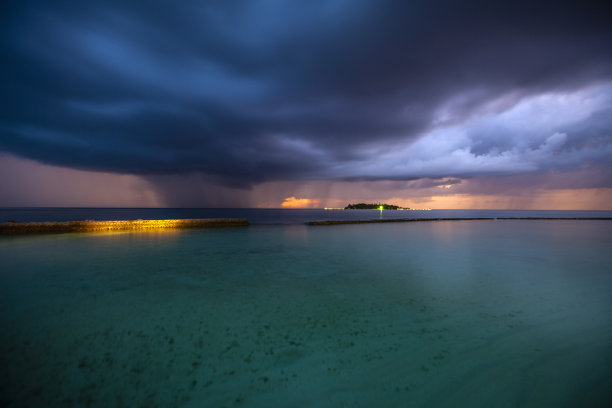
(504, 313)
(268, 216)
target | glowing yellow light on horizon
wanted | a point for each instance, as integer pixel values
(293, 202)
(381, 208)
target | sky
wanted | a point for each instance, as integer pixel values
(289, 104)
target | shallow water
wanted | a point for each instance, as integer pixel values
(470, 314)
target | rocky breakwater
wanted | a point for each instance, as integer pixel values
(15, 228)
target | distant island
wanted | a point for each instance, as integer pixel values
(380, 206)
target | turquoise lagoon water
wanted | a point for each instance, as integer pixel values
(438, 314)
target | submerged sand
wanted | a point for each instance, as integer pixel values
(480, 314)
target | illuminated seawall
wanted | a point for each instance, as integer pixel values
(10, 228)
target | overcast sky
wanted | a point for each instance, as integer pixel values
(472, 104)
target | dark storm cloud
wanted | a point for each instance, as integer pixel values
(254, 91)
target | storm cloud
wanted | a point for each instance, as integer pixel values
(250, 92)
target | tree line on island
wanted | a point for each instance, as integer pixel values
(379, 206)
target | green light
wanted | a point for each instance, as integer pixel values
(380, 208)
